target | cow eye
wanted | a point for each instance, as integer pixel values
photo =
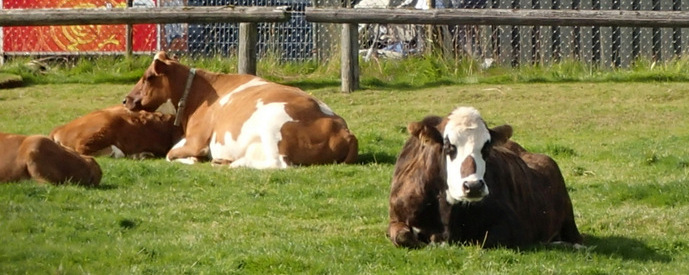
(449, 148)
(486, 149)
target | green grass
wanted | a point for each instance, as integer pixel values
(621, 147)
(409, 73)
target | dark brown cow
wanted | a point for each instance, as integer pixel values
(39, 158)
(243, 120)
(119, 132)
(496, 193)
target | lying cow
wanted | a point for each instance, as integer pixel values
(118, 132)
(39, 158)
(496, 193)
(242, 120)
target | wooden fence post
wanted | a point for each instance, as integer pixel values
(248, 38)
(128, 50)
(350, 58)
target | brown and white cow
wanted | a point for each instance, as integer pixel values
(496, 193)
(38, 157)
(243, 120)
(118, 132)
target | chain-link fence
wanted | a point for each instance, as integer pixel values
(299, 40)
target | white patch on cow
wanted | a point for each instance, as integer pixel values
(116, 152)
(254, 82)
(467, 132)
(325, 109)
(257, 144)
(167, 108)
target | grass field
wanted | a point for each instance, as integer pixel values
(622, 148)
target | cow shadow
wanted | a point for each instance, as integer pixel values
(376, 158)
(105, 186)
(624, 248)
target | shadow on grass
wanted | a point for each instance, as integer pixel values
(368, 84)
(625, 248)
(105, 186)
(376, 157)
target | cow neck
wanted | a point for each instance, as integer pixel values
(183, 101)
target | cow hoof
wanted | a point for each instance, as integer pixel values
(143, 155)
(188, 160)
(406, 238)
(220, 162)
(438, 238)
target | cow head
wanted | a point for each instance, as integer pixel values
(467, 145)
(161, 85)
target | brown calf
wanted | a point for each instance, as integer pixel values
(39, 158)
(118, 132)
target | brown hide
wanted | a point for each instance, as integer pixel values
(311, 137)
(136, 134)
(528, 203)
(39, 158)
(416, 187)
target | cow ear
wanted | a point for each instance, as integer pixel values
(159, 67)
(500, 134)
(414, 128)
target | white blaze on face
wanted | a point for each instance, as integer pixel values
(254, 82)
(467, 134)
(257, 144)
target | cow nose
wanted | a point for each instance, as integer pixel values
(124, 101)
(473, 188)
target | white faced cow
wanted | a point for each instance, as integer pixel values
(502, 194)
(457, 180)
(242, 120)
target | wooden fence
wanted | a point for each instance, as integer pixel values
(491, 17)
(349, 18)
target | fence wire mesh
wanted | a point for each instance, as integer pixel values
(300, 40)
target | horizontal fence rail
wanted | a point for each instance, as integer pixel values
(515, 17)
(161, 15)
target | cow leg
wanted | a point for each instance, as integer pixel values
(47, 161)
(569, 232)
(402, 235)
(445, 211)
(188, 151)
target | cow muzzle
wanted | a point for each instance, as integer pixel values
(132, 103)
(474, 190)
(467, 191)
